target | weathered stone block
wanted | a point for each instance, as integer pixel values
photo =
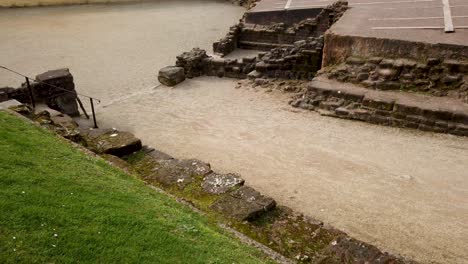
(244, 204)
(378, 102)
(57, 90)
(355, 61)
(171, 75)
(455, 66)
(195, 166)
(215, 183)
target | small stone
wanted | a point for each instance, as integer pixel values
(433, 61)
(387, 63)
(362, 77)
(450, 79)
(375, 60)
(387, 74)
(355, 61)
(253, 75)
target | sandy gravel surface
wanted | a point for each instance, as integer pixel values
(28, 3)
(405, 191)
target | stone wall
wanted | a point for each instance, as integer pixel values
(266, 37)
(299, 61)
(389, 108)
(228, 44)
(337, 48)
(434, 76)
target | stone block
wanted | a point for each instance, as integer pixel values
(460, 117)
(460, 130)
(378, 102)
(215, 183)
(57, 89)
(355, 61)
(331, 105)
(9, 103)
(171, 75)
(195, 167)
(407, 109)
(244, 204)
(341, 111)
(113, 142)
(455, 66)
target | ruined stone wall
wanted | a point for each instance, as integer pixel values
(300, 61)
(433, 76)
(266, 37)
(228, 44)
(62, 99)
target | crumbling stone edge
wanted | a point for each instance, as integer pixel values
(222, 197)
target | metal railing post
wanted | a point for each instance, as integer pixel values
(94, 114)
(30, 93)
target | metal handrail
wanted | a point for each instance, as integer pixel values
(91, 99)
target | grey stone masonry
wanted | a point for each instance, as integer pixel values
(434, 76)
(400, 109)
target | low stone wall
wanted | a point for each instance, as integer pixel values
(228, 44)
(338, 48)
(300, 61)
(398, 109)
(434, 76)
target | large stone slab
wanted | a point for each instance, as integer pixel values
(170, 172)
(244, 204)
(113, 142)
(65, 126)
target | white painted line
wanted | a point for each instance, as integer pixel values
(403, 18)
(392, 2)
(407, 28)
(411, 18)
(448, 17)
(425, 7)
(382, 28)
(288, 4)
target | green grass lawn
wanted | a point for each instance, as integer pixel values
(58, 205)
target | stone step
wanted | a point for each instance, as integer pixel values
(264, 46)
(392, 108)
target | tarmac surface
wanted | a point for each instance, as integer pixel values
(411, 20)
